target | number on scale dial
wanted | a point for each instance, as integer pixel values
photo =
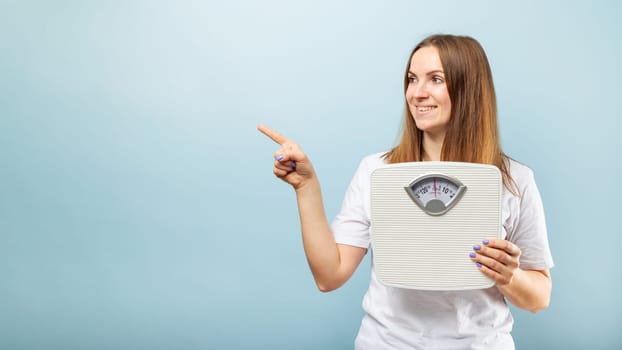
(435, 194)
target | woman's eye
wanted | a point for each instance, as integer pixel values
(437, 80)
(412, 79)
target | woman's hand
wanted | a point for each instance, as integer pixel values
(497, 259)
(290, 162)
(526, 289)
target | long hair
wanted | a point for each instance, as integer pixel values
(472, 134)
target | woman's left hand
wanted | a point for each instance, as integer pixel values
(497, 259)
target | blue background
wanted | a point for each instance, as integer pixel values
(137, 205)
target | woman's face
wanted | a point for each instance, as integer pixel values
(426, 94)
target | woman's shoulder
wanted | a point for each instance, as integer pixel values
(371, 162)
(375, 158)
(520, 173)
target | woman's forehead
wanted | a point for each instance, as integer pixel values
(425, 60)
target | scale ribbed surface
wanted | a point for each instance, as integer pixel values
(412, 249)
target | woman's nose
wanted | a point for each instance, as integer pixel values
(420, 90)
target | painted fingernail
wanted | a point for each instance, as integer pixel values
(293, 165)
(478, 265)
(472, 255)
(279, 157)
(485, 241)
(477, 247)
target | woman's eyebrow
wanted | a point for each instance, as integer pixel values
(429, 73)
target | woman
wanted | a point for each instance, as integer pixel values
(450, 115)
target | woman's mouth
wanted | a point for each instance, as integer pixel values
(424, 109)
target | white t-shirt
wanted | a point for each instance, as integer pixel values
(400, 318)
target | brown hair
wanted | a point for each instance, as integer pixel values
(472, 134)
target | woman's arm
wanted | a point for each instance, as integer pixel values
(331, 264)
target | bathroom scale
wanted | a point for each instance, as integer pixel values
(425, 219)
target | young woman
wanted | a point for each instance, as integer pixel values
(450, 115)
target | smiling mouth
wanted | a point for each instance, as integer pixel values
(425, 109)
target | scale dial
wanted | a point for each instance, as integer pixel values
(435, 194)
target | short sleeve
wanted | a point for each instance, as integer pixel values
(352, 225)
(530, 233)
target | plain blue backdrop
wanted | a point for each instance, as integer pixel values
(138, 209)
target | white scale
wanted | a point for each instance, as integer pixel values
(425, 219)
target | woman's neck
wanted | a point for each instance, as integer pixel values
(432, 146)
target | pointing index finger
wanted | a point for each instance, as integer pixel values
(275, 136)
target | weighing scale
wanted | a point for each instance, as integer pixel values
(425, 219)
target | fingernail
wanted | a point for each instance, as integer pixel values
(293, 165)
(485, 241)
(477, 247)
(472, 255)
(279, 157)
(478, 265)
